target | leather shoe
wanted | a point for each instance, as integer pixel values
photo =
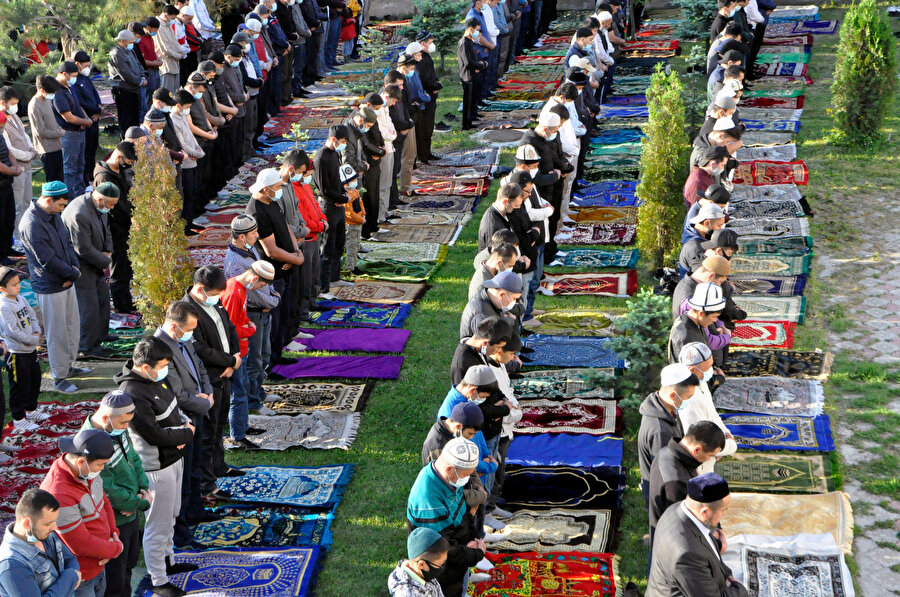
(255, 431)
(285, 360)
(172, 569)
(231, 472)
(168, 590)
(434, 156)
(245, 444)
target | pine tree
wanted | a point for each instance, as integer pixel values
(664, 161)
(865, 76)
(157, 247)
(696, 18)
(443, 19)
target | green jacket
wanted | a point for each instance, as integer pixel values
(123, 478)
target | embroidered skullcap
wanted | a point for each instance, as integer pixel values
(460, 453)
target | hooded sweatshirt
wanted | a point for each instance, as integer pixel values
(658, 426)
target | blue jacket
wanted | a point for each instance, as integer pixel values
(276, 35)
(87, 96)
(26, 571)
(416, 91)
(452, 399)
(476, 14)
(500, 19)
(434, 504)
(51, 257)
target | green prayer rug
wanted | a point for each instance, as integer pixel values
(772, 308)
(772, 264)
(777, 473)
(576, 323)
(770, 58)
(565, 383)
(391, 270)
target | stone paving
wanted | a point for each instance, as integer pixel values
(863, 285)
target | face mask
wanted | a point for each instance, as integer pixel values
(732, 12)
(254, 37)
(166, 109)
(708, 375)
(103, 210)
(249, 286)
(533, 172)
(12, 109)
(683, 404)
(248, 247)
(278, 194)
(115, 432)
(198, 96)
(158, 132)
(433, 48)
(341, 147)
(476, 35)
(86, 71)
(90, 475)
(29, 536)
(152, 34)
(162, 373)
(265, 22)
(234, 64)
(353, 184)
(433, 571)
(72, 80)
(552, 137)
(50, 96)
(245, 47)
(210, 301)
(220, 70)
(307, 179)
(716, 171)
(484, 350)
(460, 482)
(187, 337)
(296, 178)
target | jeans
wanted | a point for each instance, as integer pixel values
(331, 43)
(238, 411)
(96, 587)
(535, 283)
(258, 358)
(488, 480)
(73, 162)
(490, 79)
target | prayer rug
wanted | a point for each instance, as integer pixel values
(124, 346)
(770, 114)
(531, 574)
(202, 256)
(795, 265)
(575, 415)
(600, 234)
(390, 270)
(617, 149)
(216, 237)
(505, 137)
(651, 45)
(796, 13)
(571, 351)
(547, 487)
(765, 138)
(382, 367)
(796, 40)
(405, 251)
(605, 215)
(773, 58)
(778, 153)
(443, 234)
(623, 111)
(565, 449)
(786, 363)
(780, 69)
(247, 572)
(777, 473)
(596, 258)
(791, 245)
(780, 432)
(606, 199)
(251, 526)
(564, 383)
(514, 105)
(307, 397)
(774, 102)
(772, 308)
(319, 487)
(64, 419)
(118, 321)
(626, 100)
(771, 395)
(576, 323)
(610, 186)
(784, 515)
(618, 284)
(387, 293)
(356, 339)
(763, 334)
(797, 48)
(430, 218)
(556, 530)
(762, 172)
(350, 314)
(770, 227)
(815, 27)
(322, 430)
(99, 381)
(450, 187)
(439, 171)
(770, 573)
(765, 209)
(438, 202)
(497, 123)
(620, 136)
(780, 285)
(791, 126)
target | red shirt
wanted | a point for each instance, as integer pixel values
(698, 181)
(148, 50)
(309, 210)
(260, 46)
(234, 299)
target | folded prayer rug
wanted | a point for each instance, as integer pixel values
(791, 245)
(772, 308)
(381, 367)
(124, 346)
(439, 171)
(781, 432)
(786, 363)
(788, 86)
(350, 314)
(390, 270)
(321, 429)
(532, 574)
(405, 251)
(765, 209)
(763, 334)
(596, 258)
(245, 572)
(443, 234)
(253, 526)
(547, 487)
(775, 192)
(307, 397)
(770, 227)
(565, 383)
(796, 48)
(785, 515)
(556, 530)
(790, 103)
(566, 449)
(766, 138)
(785, 29)
(762, 172)
(771, 395)
(356, 339)
(617, 284)
(388, 293)
(651, 45)
(770, 573)
(599, 234)
(780, 285)
(319, 487)
(777, 473)
(576, 323)
(777, 153)
(575, 415)
(605, 215)
(571, 351)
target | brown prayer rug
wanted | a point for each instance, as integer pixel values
(306, 397)
(777, 473)
(388, 293)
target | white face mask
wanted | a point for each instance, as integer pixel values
(432, 48)
(12, 109)
(86, 71)
(533, 172)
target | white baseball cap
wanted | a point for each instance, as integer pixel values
(265, 178)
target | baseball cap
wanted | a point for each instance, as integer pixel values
(92, 443)
(507, 280)
(722, 239)
(266, 178)
(708, 212)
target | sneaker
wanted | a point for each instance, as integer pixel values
(327, 296)
(484, 565)
(36, 416)
(493, 523)
(303, 336)
(342, 283)
(244, 444)
(493, 537)
(168, 590)
(78, 371)
(501, 513)
(272, 398)
(479, 577)
(25, 425)
(264, 410)
(295, 346)
(65, 386)
(532, 323)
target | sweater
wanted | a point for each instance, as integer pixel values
(234, 299)
(18, 325)
(86, 520)
(237, 261)
(464, 356)
(45, 131)
(491, 221)
(658, 426)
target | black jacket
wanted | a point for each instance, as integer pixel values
(464, 357)
(354, 153)
(658, 426)
(437, 438)
(308, 10)
(467, 59)
(328, 175)
(401, 119)
(684, 331)
(480, 308)
(283, 14)
(550, 160)
(491, 221)
(672, 468)
(529, 237)
(428, 76)
(207, 343)
(120, 215)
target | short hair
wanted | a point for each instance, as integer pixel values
(47, 84)
(126, 148)
(733, 28)
(505, 251)
(724, 3)
(150, 351)
(296, 158)
(180, 312)
(560, 111)
(437, 549)
(514, 344)
(493, 329)
(210, 277)
(734, 71)
(393, 76)
(583, 32)
(568, 91)
(136, 27)
(338, 131)
(393, 92)
(170, 10)
(592, 22)
(8, 93)
(472, 23)
(504, 235)
(151, 23)
(706, 433)
(603, 7)
(34, 501)
(8, 275)
(510, 191)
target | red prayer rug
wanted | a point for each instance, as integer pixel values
(764, 334)
(450, 187)
(789, 103)
(202, 256)
(762, 172)
(618, 284)
(530, 574)
(211, 237)
(575, 415)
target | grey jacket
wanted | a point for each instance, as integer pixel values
(45, 131)
(52, 260)
(182, 383)
(234, 86)
(18, 324)
(353, 154)
(480, 308)
(658, 426)
(125, 71)
(89, 231)
(237, 261)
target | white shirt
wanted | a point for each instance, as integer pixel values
(386, 127)
(515, 414)
(703, 528)
(567, 135)
(220, 326)
(203, 23)
(754, 17)
(701, 408)
(599, 50)
(492, 30)
(178, 28)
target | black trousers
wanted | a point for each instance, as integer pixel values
(262, 101)
(24, 374)
(91, 144)
(758, 33)
(53, 165)
(471, 95)
(120, 273)
(190, 183)
(370, 197)
(7, 216)
(425, 130)
(191, 483)
(128, 104)
(118, 570)
(286, 316)
(186, 66)
(394, 200)
(213, 463)
(335, 238)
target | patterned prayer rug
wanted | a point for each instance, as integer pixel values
(606, 199)
(763, 334)
(247, 572)
(796, 40)
(784, 515)
(565, 449)
(381, 367)
(789, 103)
(619, 136)
(556, 530)
(530, 574)
(575, 415)
(777, 473)
(453, 204)
(781, 432)
(765, 209)
(786, 363)
(623, 111)
(599, 234)
(771, 114)
(319, 487)
(65, 419)
(356, 339)
(387, 293)
(430, 218)
(576, 323)
(565, 383)
(99, 381)
(322, 430)
(450, 187)
(796, 13)
(780, 285)
(795, 265)
(391, 233)
(775, 192)
(547, 487)
(611, 186)
(571, 351)
(792, 245)
(405, 251)
(124, 346)
(780, 69)
(605, 215)
(617, 149)
(216, 237)
(790, 126)
(772, 58)
(770, 572)
(307, 397)
(771, 395)
(251, 526)
(390, 270)
(202, 256)
(618, 284)
(596, 258)
(772, 308)
(815, 27)
(505, 137)
(761, 172)
(770, 227)
(349, 314)
(777, 153)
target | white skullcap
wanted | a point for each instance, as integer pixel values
(549, 119)
(604, 16)
(187, 10)
(692, 354)
(413, 48)
(674, 374)
(252, 24)
(461, 453)
(724, 124)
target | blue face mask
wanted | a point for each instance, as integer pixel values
(198, 95)
(166, 109)
(115, 432)
(460, 482)
(187, 337)
(211, 301)
(129, 47)
(296, 178)
(341, 147)
(29, 536)
(278, 194)
(152, 34)
(162, 373)
(307, 179)
(234, 64)
(732, 12)
(353, 184)
(248, 247)
(476, 35)
(552, 137)
(103, 210)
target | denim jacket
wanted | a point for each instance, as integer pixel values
(26, 570)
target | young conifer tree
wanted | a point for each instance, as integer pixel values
(443, 19)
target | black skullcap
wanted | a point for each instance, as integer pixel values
(218, 57)
(81, 56)
(707, 488)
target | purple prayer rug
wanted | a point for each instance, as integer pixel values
(383, 367)
(361, 339)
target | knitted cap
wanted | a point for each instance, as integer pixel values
(54, 188)
(117, 402)
(108, 189)
(420, 541)
(243, 223)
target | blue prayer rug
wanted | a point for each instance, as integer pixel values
(367, 315)
(792, 126)
(253, 526)
(780, 432)
(624, 111)
(614, 137)
(596, 258)
(319, 487)
(609, 186)
(567, 449)
(606, 200)
(571, 351)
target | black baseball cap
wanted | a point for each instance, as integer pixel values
(91, 443)
(716, 193)
(722, 239)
